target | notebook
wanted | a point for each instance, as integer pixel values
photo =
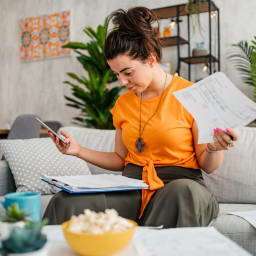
(94, 183)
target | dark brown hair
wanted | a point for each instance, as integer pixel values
(133, 34)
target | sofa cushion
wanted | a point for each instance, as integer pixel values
(236, 228)
(30, 159)
(101, 140)
(6, 179)
(235, 180)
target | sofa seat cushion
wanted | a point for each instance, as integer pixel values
(236, 228)
(227, 223)
(45, 199)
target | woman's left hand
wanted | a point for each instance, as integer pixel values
(223, 139)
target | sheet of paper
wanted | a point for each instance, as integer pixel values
(215, 102)
(249, 216)
(142, 228)
(185, 241)
(99, 181)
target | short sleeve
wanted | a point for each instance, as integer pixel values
(114, 112)
(189, 117)
(187, 114)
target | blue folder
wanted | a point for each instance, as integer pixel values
(91, 190)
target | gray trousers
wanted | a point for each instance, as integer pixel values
(184, 201)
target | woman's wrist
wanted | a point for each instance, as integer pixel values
(78, 153)
(210, 149)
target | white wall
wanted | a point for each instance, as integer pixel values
(37, 87)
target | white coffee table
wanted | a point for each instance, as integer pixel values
(152, 242)
(57, 245)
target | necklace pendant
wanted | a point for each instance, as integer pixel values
(139, 145)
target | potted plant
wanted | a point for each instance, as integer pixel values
(18, 235)
(91, 94)
(243, 56)
(13, 218)
(193, 7)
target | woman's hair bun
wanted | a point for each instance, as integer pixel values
(132, 33)
(137, 19)
(143, 13)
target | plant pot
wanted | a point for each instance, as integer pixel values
(40, 252)
(7, 227)
(196, 52)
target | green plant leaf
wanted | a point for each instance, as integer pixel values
(89, 93)
(74, 76)
(77, 103)
(103, 82)
(241, 56)
(75, 45)
(13, 214)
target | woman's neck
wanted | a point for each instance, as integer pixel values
(159, 83)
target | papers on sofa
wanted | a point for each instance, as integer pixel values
(185, 241)
(215, 102)
(95, 183)
(249, 216)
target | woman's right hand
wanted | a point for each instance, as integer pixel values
(69, 148)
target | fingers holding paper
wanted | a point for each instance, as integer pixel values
(223, 139)
(69, 148)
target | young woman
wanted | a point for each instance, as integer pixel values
(156, 138)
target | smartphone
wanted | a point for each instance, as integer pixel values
(62, 138)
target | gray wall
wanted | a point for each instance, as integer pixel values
(37, 87)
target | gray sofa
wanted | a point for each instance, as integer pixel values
(233, 184)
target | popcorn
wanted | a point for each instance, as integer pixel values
(98, 223)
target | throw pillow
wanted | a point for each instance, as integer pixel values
(30, 159)
(96, 139)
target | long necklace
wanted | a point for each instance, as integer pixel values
(139, 144)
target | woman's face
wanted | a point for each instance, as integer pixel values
(136, 75)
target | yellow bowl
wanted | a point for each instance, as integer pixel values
(98, 244)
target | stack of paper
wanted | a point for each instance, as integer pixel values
(95, 183)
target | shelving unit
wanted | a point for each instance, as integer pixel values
(177, 11)
(199, 59)
(172, 41)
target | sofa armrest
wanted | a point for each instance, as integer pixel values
(7, 184)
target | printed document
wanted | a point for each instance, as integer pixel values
(95, 183)
(185, 241)
(215, 102)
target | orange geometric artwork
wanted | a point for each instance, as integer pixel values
(42, 37)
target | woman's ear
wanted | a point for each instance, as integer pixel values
(152, 59)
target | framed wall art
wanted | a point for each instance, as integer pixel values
(42, 37)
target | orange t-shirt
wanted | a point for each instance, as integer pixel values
(167, 136)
